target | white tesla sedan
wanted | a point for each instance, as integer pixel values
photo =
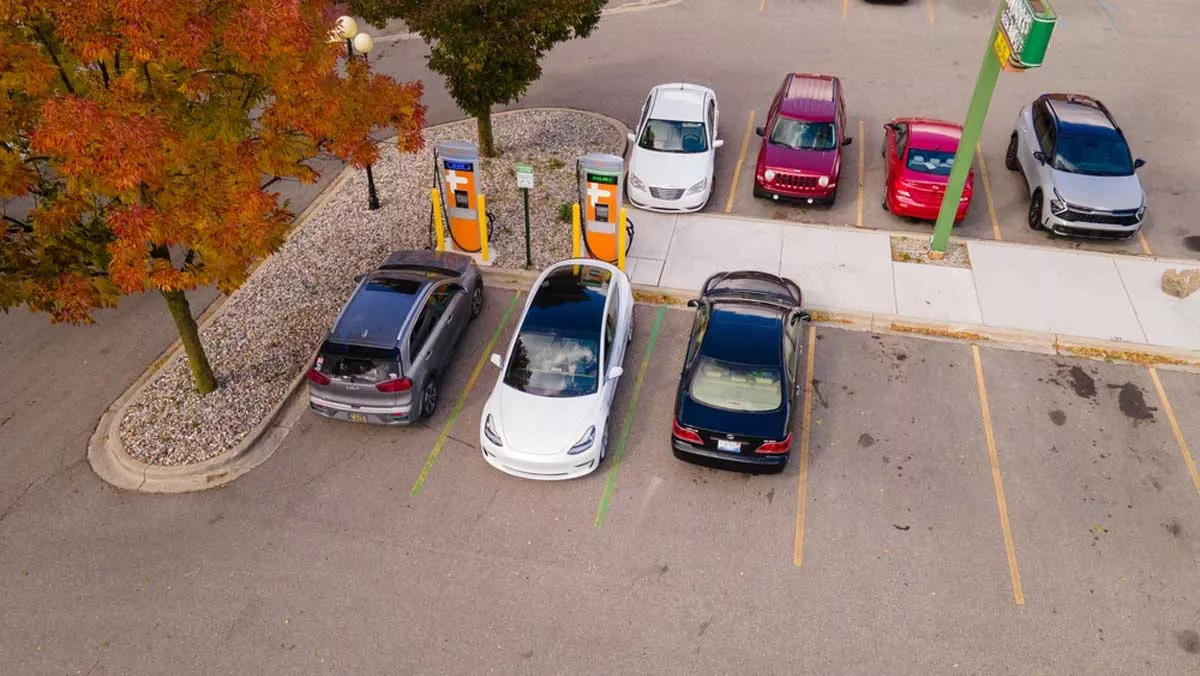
(674, 149)
(547, 416)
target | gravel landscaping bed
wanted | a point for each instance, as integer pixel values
(907, 249)
(267, 331)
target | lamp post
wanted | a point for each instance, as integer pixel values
(346, 28)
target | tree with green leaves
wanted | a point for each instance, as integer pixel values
(142, 130)
(489, 51)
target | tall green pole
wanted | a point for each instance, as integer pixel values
(985, 85)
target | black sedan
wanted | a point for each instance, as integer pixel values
(739, 382)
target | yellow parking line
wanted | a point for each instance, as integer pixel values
(987, 191)
(802, 489)
(1145, 244)
(1002, 505)
(737, 171)
(762, 5)
(932, 16)
(862, 159)
(845, 8)
(1179, 439)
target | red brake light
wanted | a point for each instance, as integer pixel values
(397, 385)
(684, 434)
(776, 446)
(317, 377)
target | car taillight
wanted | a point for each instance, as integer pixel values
(684, 434)
(397, 385)
(776, 446)
(317, 377)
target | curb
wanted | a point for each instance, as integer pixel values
(106, 453)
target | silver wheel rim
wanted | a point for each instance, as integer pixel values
(429, 398)
(477, 300)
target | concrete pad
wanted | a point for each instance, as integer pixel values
(1166, 320)
(1056, 291)
(936, 292)
(840, 268)
(704, 245)
(644, 270)
(651, 233)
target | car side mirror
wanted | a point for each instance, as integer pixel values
(889, 126)
(458, 288)
(497, 361)
(1039, 156)
(761, 131)
(1138, 164)
(848, 140)
(718, 143)
(631, 137)
(804, 315)
(615, 372)
(693, 303)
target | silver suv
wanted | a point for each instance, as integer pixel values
(1078, 167)
(395, 336)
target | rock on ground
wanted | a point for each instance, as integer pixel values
(1180, 283)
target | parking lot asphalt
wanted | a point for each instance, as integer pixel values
(360, 549)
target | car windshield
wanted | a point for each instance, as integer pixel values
(673, 136)
(551, 364)
(1093, 154)
(803, 135)
(936, 162)
(736, 387)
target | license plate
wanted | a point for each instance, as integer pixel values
(358, 417)
(723, 445)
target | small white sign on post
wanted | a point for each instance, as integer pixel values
(525, 176)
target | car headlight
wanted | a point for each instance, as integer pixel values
(1058, 205)
(1141, 212)
(699, 187)
(636, 182)
(584, 443)
(823, 181)
(489, 431)
(769, 174)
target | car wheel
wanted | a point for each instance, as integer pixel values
(1010, 156)
(429, 397)
(833, 197)
(1035, 211)
(759, 192)
(884, 204)
(603, 446)
(476, 300)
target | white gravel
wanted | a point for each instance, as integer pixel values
(268, 329)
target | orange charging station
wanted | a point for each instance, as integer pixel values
(600, 227)
(457, 202)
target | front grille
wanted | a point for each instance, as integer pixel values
(1108, 218)
(666, 193)
(790, 181)
(1093, 233)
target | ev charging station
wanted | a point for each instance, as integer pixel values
(605, 231)
(457, 200)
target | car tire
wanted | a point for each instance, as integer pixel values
(833, 197)
(1010, 156)
(476, 299)
(759, 192)
(1034, 216)
(884, 204)
(603, 446)
(429, 397)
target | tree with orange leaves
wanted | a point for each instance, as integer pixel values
(143, 130)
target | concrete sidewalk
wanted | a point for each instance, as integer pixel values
(1008, 286)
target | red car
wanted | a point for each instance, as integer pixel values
(919, 154)
(801, 153)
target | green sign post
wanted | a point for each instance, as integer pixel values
(1020, 36)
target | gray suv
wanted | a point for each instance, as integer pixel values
(395, 336)
(1078, 167)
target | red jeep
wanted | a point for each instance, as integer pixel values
(801, 153)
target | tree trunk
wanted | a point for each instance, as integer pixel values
(189, 335)
(487, 145)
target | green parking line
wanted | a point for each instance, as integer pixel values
(462, 398)
(619, 452)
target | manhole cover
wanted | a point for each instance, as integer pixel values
(1192, 242)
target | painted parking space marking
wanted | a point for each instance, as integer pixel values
(932, 15)
(845, 8)
(1144, 243)
(862, 170)
(762, 5)
(1175, 429)
(737, 170)
(805, 435)
(1001, 505)
(987, 192)
(627, 423)
(462, 398)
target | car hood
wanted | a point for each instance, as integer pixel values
(669, 170)
(807, 161)
(542, 425)
(1111, 193)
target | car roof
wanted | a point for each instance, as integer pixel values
(744, 334)
(378, 310)
(810, 96)
(447, 263)
(679, 101)
(933, 134)
(570, 298)
(1078, 112)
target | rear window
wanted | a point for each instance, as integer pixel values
(936, 162)
(737, 387)
(376, 313)
(357, 364)
(802, 135)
